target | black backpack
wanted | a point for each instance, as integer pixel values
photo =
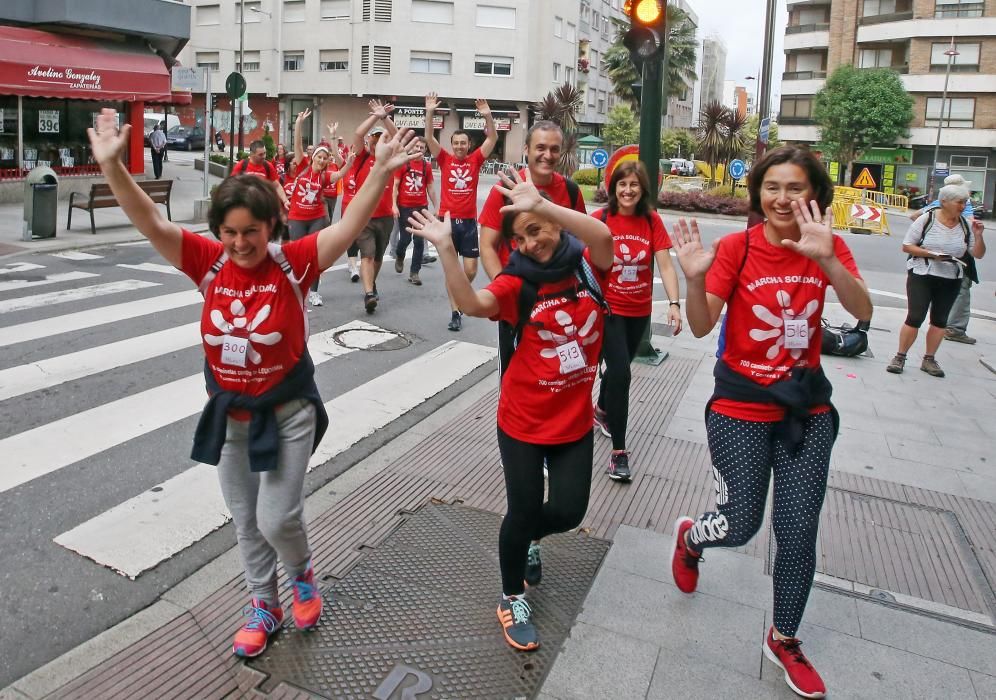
(970, 270)
(843, 340)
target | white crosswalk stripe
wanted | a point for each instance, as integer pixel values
(49, 279)
(11, 268)
(141, 532)
(76, 255)
(36, 301)
(152, 267)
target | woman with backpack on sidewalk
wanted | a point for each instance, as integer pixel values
(550, 291)
(264, 416)
(941, 249)
(639, 237)
(770, 412)
(306, 191)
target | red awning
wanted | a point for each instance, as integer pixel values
(44, 64)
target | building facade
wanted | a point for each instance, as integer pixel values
(713, 74)
(332, 56)
(910, 37)
(597, 31)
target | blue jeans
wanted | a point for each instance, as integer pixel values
(404, 238)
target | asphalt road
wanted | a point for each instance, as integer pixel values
(53, 599)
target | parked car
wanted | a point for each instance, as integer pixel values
(166, 121)
(684, 168)
(185, 138)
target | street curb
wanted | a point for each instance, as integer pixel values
(204, 582)
(60, 245)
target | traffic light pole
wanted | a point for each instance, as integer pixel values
(652, 111)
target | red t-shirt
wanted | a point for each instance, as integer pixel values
(539, 403)
(354, 181)
(259, 304)
(305, 193)
(776, 285)
(630, 291)
(458, 184)
(267, 170)
(414, 181)
(491, 212)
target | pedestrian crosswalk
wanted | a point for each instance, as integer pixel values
(163, 517)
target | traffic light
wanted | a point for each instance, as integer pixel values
(645, 38)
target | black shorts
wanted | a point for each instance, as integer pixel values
(465, 237)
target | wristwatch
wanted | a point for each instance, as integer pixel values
(675, 303)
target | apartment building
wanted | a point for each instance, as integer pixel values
(713, 74)
(597, 32)
(910, 37)
(332, 56)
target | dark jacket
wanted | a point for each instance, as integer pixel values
(264, 436)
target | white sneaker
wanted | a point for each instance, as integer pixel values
(354, 274)
(314, 298)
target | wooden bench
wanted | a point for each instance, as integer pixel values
(101, 197)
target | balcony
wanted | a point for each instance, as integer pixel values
(788, 121)
(812, 38)
(904, 30)
(892, 17)
(804, 28)
(804, 75)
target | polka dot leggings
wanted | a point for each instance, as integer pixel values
(744, 455)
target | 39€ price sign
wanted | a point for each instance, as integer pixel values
(48, 121)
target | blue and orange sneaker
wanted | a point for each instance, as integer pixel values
(307, 605)
(263, 622)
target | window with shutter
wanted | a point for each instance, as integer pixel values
(366, 10)
(383, 10)
(382, 60)
(365, 60)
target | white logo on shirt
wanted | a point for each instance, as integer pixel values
(569, 331)
(308, 191)
(619, 264)
(413, 182)
(240, 322)
(776, 323)
(460, 177)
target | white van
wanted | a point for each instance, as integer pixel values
(152, 118)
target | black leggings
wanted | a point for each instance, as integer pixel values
(622, 338)
(744, 453)
(528, 517)
(939, 293)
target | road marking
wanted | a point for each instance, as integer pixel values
(34, 453)
(43, 374)
(138, 534)
(132, 244)
(33, 330)
(894, 295)
(153, 267)
(19, 267)
(50, 279)
(76, 255)
(67, 295)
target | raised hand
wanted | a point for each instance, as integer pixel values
(692, 257)
(978, 227)
(301, 116)
(425, 224)
(396, 151)
(482, 106)
(432, 101)
(380, 109)
(107, 142)
(333, 127)
(522, 192)
(816, 239)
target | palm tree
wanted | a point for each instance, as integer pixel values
(561, 106)
(734, 127)
(681, 55)
(711, 134)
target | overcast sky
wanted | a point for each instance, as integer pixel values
(741, 25)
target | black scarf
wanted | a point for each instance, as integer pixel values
(562, 265)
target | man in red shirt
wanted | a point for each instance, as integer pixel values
(256, 164)
(459, 173)
(376, 234)
(544, 142)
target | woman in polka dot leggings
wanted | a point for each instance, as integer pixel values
(770, 413)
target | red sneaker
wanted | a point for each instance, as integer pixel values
(251, 640)
(799, 673)
(684, 562)
(307, 605)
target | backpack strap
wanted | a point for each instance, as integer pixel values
(240, 167)
(573, 191)
(276, 253)
(528, 295)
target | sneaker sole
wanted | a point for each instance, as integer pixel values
(788, 681)
(961, 339)
(511, 642)
(939, 375)
(674, 546)
(305, 628)
(354, 278)
(890, 370)
(616, 477)
(370, 306)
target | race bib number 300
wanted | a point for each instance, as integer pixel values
(571, 357)
(796, 334)
(233, 351)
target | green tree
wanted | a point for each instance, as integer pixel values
(622, 128)
(711, 136)
(681, 57)
(271, 147)
(750, 132)
(561, 106)
(860, 108)
(734, 137)
(677, 143)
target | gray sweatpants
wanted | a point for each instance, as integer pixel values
(958, 316)
(268, 507)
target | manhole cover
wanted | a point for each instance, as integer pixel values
(376, 339)
(897, 547)
(415, 618)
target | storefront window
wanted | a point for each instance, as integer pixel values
(8, 138)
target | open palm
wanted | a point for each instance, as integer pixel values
(693, 258)
(107, 142)
(398, 150)
(815, 233)
(425, 224)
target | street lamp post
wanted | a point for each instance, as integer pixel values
(950, 53)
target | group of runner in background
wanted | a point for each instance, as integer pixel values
(572, 295)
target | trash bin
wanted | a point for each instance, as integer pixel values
(41, 198)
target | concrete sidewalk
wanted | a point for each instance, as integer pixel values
(903, 608)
